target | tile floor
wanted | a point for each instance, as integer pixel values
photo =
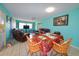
(20, 49)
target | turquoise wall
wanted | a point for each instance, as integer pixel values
(70, 31)
(4, 10)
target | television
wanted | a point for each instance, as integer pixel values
(26, 26)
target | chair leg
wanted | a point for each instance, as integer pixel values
(56, 53)
(29, 52)
(51, 52)
(65, 54)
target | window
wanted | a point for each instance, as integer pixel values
(22, 24)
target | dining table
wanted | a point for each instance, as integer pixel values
(46, 41)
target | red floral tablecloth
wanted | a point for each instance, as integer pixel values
(46, 42)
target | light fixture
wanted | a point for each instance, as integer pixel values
(50, 9)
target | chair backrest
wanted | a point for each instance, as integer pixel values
(62, 48)
(32, 47)
(66, 44)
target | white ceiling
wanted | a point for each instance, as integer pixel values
(37, 10)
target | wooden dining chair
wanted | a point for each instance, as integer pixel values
(62, 48)
(33, 47)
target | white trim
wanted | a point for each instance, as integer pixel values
(75, 47)
(28, 20)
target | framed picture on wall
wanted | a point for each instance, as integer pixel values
(60, 20)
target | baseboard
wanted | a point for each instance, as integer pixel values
(75, 47)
